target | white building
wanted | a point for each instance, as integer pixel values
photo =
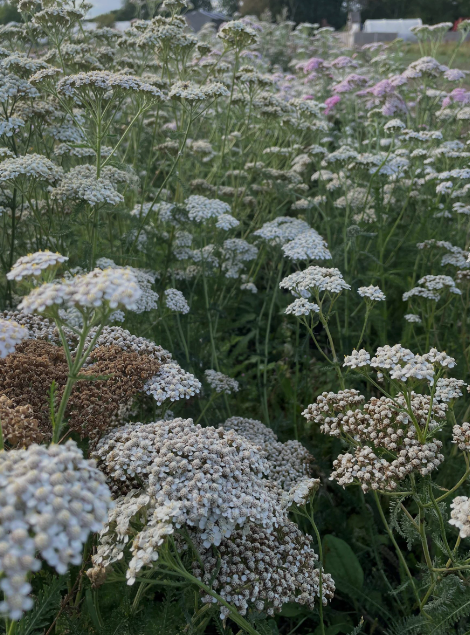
(400, 27)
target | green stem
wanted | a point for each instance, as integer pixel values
(213, 396)
(397, 548)
(320, 570)
(266, 345)
(234, 614)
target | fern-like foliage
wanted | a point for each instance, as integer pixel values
(407, 626)
(164, 617)
(266, 627)
(401, 523)
(446, 615)
(444, 593)
(357, 629)
(45, 609)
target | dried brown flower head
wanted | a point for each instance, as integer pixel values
(19, 427)
(109, 383)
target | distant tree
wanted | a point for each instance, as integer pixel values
(255, 7)
(105, 20)
(430, 11)
(330, 12)
(205, 5)
(128, 10)
(229, 7)
(9, 13)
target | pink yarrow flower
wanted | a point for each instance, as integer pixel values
(457, 95)
(342, 61)
(350, 83)
(310, 65)
(331, 102)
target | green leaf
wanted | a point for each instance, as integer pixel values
(334, 629)
(93, 610)
(341, 562)
(266, 627)
(292, 609)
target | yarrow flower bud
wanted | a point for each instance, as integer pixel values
(461, 436)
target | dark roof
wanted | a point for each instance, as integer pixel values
(213, 15)
(197, 19)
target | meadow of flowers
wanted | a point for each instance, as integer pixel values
(234, 342)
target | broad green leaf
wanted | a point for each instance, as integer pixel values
(341, 562)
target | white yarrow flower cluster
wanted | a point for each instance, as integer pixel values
(11, 334)
(220, 382)
(111, 287)
(50, 500)
(201, 209)
(460, 515)
(401, 363)
(236, 253)
(430, 287)
(288, 462)
(144, 278)
(80, 183)
(237, 33)
(215, 476)
(282, 229)
(176, 301)
(412, 318)
(461, 436)
(34, 166)
(44, 297)
(372, 293)
(308, 245)
(448, 389)
(303, 283)
(301, 492)
(357, 359)
(34, 264)
(301, 306)
(115, 287)
(173, 383)
(226, 222)
(249, 286)
(106, 81)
